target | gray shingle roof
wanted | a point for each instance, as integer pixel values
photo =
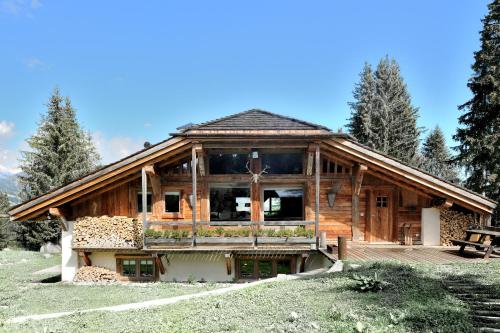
(257, 120)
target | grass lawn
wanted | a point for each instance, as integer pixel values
(21, 295)
(414, 301)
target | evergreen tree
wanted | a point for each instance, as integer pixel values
(479, 131)
(362, 109)
(60, 152)
(437, 157)
(382, 116)
(6, 232)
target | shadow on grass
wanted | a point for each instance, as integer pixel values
(414, 300)
(51, 279)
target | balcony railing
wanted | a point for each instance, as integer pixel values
(245, 233)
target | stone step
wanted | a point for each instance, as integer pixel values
(492, 319)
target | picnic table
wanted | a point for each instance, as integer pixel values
(480, 244)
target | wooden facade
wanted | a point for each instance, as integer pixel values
(375, 197)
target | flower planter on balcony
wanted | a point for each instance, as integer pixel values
(289, 240)
(160, 241)
(217, 240)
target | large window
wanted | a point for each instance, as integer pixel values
(230, 203)
(263, 268)
(146, 268)
(129, 268)
(224, 163)
(283, 163)
(139, 202)
(172, 202)
(283, 204)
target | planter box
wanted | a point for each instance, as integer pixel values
(221, 240)
(288, 240)
(160, 241)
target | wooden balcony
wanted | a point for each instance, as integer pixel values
(223, 234)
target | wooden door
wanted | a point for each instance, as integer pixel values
(381, 216)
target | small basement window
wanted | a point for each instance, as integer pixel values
(263, 268)
(139, 202)
(146, 268)
(136, 269)
(172, 202)
(129, 268)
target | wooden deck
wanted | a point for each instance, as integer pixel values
(413, 254)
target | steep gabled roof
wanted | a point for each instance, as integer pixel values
(256, 120)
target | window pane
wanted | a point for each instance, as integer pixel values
(283, 204)
(172, 202)
(265, 269)
(290, 163)
(128, 267)
(246, 268)
(146, 268)
(139, 202)
(229, 204)
(283, 267)
(228, 163)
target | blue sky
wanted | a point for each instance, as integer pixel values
(137, 70)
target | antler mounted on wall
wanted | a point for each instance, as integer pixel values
(332, 193)
(255, 177)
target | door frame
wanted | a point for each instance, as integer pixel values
(371, 209)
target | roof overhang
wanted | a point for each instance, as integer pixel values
(402, 173)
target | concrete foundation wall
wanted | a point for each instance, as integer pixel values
(69, 258)
(197, 266)
(431, 227)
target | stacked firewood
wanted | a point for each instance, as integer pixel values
(94, 274)
(453, 225)
(107, 232)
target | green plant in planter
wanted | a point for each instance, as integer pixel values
(300, 231)
(184, 233)
(219, 231)
(260, 232)
(150, 233)
(166, 233)
(368, 283)
(284, 233)
(245, 232)
(271, 233)
(202, 232)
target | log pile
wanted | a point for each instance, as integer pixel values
(94, 274)
(107, 232)
(453, 225)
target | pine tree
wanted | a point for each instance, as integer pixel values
(437, 157)
(6, 232)
(479, 131)
(382, 115)
(360, 123)
(60, 152)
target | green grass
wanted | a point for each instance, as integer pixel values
(414, 301)
(21, 295)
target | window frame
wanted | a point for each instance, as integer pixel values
(138, 198)
(172, 215)
(302, 153)
(137, 275)
(212, 186)
(282, 187)
(292, 261)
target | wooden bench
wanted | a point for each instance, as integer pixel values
(480, 243)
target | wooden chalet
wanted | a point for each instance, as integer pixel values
(263, 194)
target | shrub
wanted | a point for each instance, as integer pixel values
(150, 233)
(368, 283)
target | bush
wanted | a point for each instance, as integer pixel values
(368, 283)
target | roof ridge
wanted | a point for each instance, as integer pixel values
(217, 120)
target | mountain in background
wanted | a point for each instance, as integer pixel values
(8, 183)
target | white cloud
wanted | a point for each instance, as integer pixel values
(6, 128)
(34, 63)
(115, 148)
(8, 161)
(16, 7)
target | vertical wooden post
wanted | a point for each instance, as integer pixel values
(144, 198)
(316, 204)
(194, 195)
(342, 247)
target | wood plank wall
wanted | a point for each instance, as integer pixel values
(335, 221)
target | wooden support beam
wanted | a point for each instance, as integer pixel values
(303, 259)
(310, 159)
(316, 204)
(159, 264)
(201, 158)
(227, 256)
(144, 198)
(194, 194)
(61, 214)
(86, 258)
(155, 179)
(357, 179)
